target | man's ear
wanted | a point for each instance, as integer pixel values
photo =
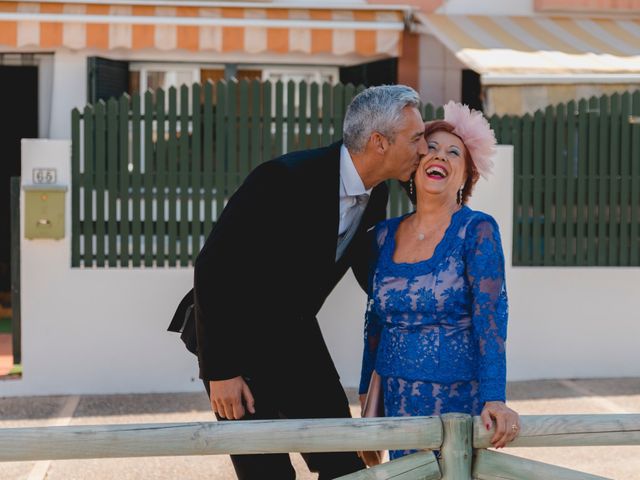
(379, 142)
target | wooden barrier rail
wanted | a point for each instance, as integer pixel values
(212, 438)
(454, 435)
(568, 431)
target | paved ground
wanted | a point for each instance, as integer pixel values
(539, 397)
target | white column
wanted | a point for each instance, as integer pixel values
(495, 197)
(69, 91)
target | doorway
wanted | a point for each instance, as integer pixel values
(19, 119)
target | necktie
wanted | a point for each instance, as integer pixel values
(355, 214)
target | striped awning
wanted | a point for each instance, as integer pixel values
(495, 45)
(201, 26)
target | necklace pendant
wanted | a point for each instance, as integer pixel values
(421, 236)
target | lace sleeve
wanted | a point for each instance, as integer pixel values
(372, 329)
(485, 272)
(372, 323)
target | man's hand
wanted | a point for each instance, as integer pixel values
(228, 398)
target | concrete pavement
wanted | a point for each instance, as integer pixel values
(535, 397)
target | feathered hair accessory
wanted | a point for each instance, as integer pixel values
(475, 132)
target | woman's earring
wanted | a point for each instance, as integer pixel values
(460, 195)
(411, 187)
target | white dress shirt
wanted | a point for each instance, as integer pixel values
(353, 195)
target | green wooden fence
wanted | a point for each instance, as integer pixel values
(149, 177)
(577, 182)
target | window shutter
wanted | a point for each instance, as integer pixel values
(106, 78)
(380, 72)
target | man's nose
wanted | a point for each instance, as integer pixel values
(422, 147)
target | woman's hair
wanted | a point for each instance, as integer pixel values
(471, 170)
(376, 109)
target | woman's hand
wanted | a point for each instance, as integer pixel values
(507, 422)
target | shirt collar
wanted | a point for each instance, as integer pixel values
(349, 176)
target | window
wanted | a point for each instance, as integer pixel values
(145, 76)
(319, 75)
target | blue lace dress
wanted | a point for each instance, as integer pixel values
(435, 330)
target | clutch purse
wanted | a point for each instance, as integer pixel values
(373, 407)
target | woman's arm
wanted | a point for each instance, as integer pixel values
(372, 323)
(372, 330)
(486, 275)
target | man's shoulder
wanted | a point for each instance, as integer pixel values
(301, 160)
(382, 189)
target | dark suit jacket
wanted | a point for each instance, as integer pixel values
(268, 266)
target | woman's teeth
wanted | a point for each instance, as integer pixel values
(436, 172)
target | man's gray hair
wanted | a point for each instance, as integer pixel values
(376, 109)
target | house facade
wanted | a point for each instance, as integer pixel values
(507, 57)
(56, 56)
(517, 56)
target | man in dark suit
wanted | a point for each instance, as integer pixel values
(282, 243)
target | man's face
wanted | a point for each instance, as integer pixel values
(408, 146)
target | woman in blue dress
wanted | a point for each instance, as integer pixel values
(436, 321)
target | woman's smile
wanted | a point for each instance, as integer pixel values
(437, 171)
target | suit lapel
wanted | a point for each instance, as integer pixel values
(328, 200)
(327, 173)
(372, 211)
(370, 217)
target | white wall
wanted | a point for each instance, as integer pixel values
(45, 94)
(103, 330)
(94, 330)
(440, 72)
(563, 322)
(491, 7)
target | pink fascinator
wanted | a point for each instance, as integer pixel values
(475, 132)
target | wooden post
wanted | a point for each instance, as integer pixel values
(489, 465)
(419, 466)
(456, 454)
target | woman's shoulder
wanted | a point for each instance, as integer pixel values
(475, 218)
(382, 229)
(479, 224)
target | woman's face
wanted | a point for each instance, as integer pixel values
(442, 170)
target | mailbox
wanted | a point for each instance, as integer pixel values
(44, 211)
